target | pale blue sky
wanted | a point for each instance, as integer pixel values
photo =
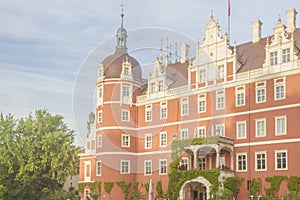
(44, 44)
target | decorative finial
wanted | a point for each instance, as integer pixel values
(211, 14)
(122, 13)
(170, 54)
(176, 52)
(167, 50)
(161, 50)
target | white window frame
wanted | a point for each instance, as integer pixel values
(186, 162)
(202, 75)
(87, 193)
(100, 116)
(277, 133)
(163, 106)
(122, 162)
(220, 95)
(126, 90)
(184, 106)
(238, 135)
(125, 138)
(184, 131)
(163, 139)
(148, 141)
(201, 132)
(125, 118)
(202, 100)
(126, 70)
(237, 162)
(220, 71)
(163, 165)
(148, 113)
(259, 87)
(147, 166)
(99, 140)
(98, 168)
(279, 82)
(202, 162)
(85, 172)
(222, 126)
(160, 85)
(240, 90)
(100, 91)
(276, 159)
(286, 55)
(257, 160)
(152, 87)
(273, 58)
(257, 130)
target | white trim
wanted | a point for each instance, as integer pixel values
(99, 136)
(121, 161)
(285, 125)
(187, 162)
(220, 125)
(264, 128)
(262, 87)
(148, 108)
(266, 161)
(134, 154)
(145, 167)
(97, 172)
(267, 142)
(99, 120)
(201, 97)
(125, 135)
(85, 177)
(201, 128)
(128, 115)
(237, 129)
(187, 133)
(146, 141)
(163, 104)
(237, 162)
(184, 101)
(86, 190)
(221, 95)
(240, 91)
(159, 166)
(282, 83)
(160, 139)
(281, 151)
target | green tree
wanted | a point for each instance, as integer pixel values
(36, 155)
(233, 185)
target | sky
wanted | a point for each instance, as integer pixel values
(49, 50)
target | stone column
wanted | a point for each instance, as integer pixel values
(231, 161)
(196, 166)
(218, 159)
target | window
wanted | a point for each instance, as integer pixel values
(98, 168)
(184, 134)
(184, 164)
(202, 163)
(202, 76)
(148, 141)
(125, 115)
(201, 132)
(241, 130)
(260, 127)
(160, 86)
(162, 166)
(163, 110)
(279, 88)
(273, 58)
(220, 71)
(152, 87)
(261, 92)
(260, 161)
(125, 167)
(281, 160)
(286, 55)
(126, 70)
(162, 139)
(220, 100)
(184, 106)
(125, 140)
(99, 116)
(241, 162)
(240, 96)
(100, 91)
(87, 170)
(202, 103)
(148, 112)
(126, 90)
(86, 193)
(280, 125)
(220, 130)
(147, 167)
(99, 142)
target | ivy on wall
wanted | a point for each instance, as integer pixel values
(275, 182)
(255, 187)
(125, 188)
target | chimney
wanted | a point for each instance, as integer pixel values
(256, 30)
(291, 20)
(185, 48)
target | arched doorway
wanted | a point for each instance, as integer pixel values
(195, 189)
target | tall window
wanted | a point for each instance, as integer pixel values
(125, 140)
(98, 168)
(220, 99)
(202, 163)
(162, 166)
(163, 110)
(242, 162)
(184, 164)
(273, 58)
(152, 87)
(286, 55)
(163, 139)
(221, 72)
(260, 127)
(281, 162)
(148, 141)
(280, 125)
(126, 90)
(260, 161)
(261, 92)
(148, 113)
(240, 96)
(99, 116)
(99, 142)
(201, 132)
(184, 106)
(241, 130)
(125, 167)
(202, 76)
(126, 70)
(279, 88)
(160, 86)
(202, 103)
(183, 134)
(100, 91)
(220, 130)
(147, 167)
(125, 115)
(86, 193)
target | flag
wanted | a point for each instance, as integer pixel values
(228, 7)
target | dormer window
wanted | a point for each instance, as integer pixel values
(221, 71)
(202, 75)
(152, 87)
(160, 86)
(273, 58)
(286, 55)
(126, 70)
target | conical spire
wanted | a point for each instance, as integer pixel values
(121, 33)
